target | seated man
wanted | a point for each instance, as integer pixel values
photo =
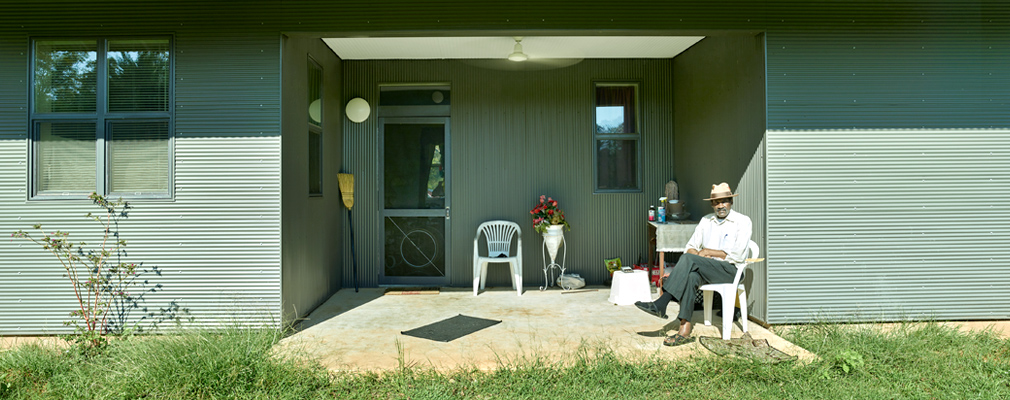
(720, 240)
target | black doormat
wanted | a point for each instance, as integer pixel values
(450, 329)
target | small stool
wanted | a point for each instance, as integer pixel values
(629, 287)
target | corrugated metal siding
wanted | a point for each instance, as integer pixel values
(985, 22)
(514, 136)
(871, 80)
(751, 203)
(888, 224)
(662, 15)
(719, 108)
(217, 244)
(311, 225)
(871, 170)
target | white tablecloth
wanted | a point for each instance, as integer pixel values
(629, 287)
(673, 236)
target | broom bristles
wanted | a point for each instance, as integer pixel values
(346, 189)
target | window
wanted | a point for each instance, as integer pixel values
(617, 138)
(315, 90)
(101, 118)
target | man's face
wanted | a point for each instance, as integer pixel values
(722, 206)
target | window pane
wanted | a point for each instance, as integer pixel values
(615, 109)
(315, 163)
(138, 157)
(617, 166)
(410, 152)
(436, 176)
(433, 96)
(138, 75)
(66, 157)
(315, 92)
(65, 75)
(414, 246)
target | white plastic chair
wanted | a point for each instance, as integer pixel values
(729, 292)
(499, 239)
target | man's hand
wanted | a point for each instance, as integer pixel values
(710, 253)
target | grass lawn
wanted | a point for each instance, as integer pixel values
(916, 361)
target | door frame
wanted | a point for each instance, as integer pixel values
(383, 213)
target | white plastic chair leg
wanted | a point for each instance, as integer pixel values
(743, 310)
(512, 270)
(517, 280)
(483, 275)
(476, 276)
(707, 295)
(727, 315)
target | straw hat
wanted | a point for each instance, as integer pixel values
(721, 191)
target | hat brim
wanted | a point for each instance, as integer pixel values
(722, 197)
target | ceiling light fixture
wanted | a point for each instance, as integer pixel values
(517, 51)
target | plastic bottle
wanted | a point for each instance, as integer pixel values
(652, 213)
(662, 210)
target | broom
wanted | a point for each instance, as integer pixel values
(347, 194)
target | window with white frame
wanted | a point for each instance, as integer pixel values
(315, 91)
(101, 117)
(616, 138)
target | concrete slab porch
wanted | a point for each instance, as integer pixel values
(361, 331)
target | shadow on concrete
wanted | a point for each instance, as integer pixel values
(341, 302)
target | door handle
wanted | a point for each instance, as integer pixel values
(447, 213)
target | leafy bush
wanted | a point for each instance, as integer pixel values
(99, 283)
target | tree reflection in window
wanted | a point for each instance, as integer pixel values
(138, 75)
(436, 175)
(616, 137)
(65, 76)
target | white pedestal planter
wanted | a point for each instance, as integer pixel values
(554, 238)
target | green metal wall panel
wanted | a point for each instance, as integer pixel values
(515, 136)
(888, 225)
(925, 78)
(719, 117)
(217, 242)
(311, 255)
(816, 80)
(870, 131)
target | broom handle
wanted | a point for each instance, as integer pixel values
(354, 259)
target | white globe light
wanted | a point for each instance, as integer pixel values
(315, 111)
(358, 110)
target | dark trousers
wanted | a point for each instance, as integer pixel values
(690, 272)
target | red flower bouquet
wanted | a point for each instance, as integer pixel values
(547, 213)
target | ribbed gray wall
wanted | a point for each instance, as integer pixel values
(217, 243)
(878, 143)
(883, 16)
(888, 224)
(831, 65)
(719, 117)
(515, 136)
(923, 78)
(310, 227)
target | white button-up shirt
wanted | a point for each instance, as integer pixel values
(731, 235)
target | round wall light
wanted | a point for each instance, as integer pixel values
(358, 110)
(315, 111)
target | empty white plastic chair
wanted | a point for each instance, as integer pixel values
(729, 293)
(498, 235)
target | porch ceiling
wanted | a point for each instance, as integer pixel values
(536, 47)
